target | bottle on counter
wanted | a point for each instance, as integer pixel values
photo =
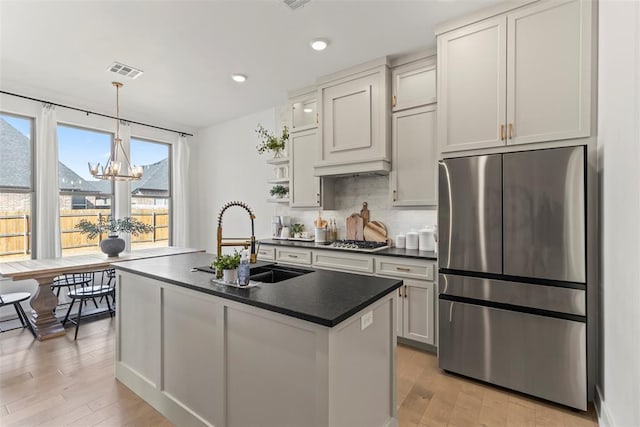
(333, 230)
(244, 270)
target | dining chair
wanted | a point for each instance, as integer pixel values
(15, 299)
(102, 285)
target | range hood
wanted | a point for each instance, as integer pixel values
(367, 167)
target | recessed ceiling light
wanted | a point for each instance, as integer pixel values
(239, 78)
(308, 110)
(319, 44)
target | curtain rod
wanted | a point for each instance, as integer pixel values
(94, 113)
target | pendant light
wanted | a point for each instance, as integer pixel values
(118, 167)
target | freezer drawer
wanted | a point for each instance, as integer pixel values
(550, 298)
(470, 214)
(537, 355)
(544, 214)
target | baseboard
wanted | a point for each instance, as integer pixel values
(605, 419)
(165, 404)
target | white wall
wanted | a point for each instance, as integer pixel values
(619, 151)
(226, 167)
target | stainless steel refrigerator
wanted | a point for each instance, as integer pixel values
(512, 271)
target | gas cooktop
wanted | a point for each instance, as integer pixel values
(358, 245)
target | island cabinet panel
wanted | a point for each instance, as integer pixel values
(362, 353)
(138, 345)
(205, 360)
(272, 366)
(190, 352)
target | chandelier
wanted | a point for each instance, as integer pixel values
(118, 167)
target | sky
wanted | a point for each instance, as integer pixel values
(78, 146)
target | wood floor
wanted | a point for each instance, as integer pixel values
(60, 382)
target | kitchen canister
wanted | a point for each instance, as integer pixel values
(321, 234)
(411, 240)
(400, 241)
(425, 239)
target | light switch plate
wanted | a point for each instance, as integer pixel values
(366, 320)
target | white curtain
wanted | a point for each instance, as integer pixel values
(180, 192)
(47, 224)
(122, 197)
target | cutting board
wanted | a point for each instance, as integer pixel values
(355, 227)
(375, 231)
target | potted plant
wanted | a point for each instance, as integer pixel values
(113, 244)
(228, 264)
(279, 191)
(296, 230)
(271, 142)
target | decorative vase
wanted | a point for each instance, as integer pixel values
(230, 276)
(112, 246)
(277, 154)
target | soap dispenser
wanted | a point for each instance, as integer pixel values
(244, 270)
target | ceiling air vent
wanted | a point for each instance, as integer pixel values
(125, 70)
(294, 4)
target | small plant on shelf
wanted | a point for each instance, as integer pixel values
(279, 191)
(271, 142)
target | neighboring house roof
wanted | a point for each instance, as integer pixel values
(15, 158)
(155, 180)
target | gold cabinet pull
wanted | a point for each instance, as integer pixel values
(400, 291)
(403, 269)
(395, 195)
(406, 291)
(292, 256)
(501, 132)
(393, 101)
(317, 118)
(510, 130)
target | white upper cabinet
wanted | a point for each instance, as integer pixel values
(521, 77)
(354, 123)
(414, 84)
(304, 187)
(472, 86)
(304, 112)
(549, 72)
(415, 157)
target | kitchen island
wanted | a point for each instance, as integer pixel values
(313, 350)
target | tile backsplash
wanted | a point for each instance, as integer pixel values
(350, 193)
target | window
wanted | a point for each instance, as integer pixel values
(81, 195)
(151, 196)
(16, 187)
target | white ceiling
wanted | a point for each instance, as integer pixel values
(59, 50)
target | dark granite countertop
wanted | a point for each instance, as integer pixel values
(404, 253)
(323, 297)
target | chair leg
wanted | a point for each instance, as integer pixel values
(66, 317)
(109, 306)
(24, 316)
(94, 302)
(16, 305)
(75, 337)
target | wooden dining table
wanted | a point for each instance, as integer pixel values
(43, 303)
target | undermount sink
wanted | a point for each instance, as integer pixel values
(276, 273)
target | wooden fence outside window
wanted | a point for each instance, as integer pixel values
(15, 229)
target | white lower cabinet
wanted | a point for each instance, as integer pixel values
(289, 255)
(416, 306)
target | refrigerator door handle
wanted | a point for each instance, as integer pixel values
(451, 312)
